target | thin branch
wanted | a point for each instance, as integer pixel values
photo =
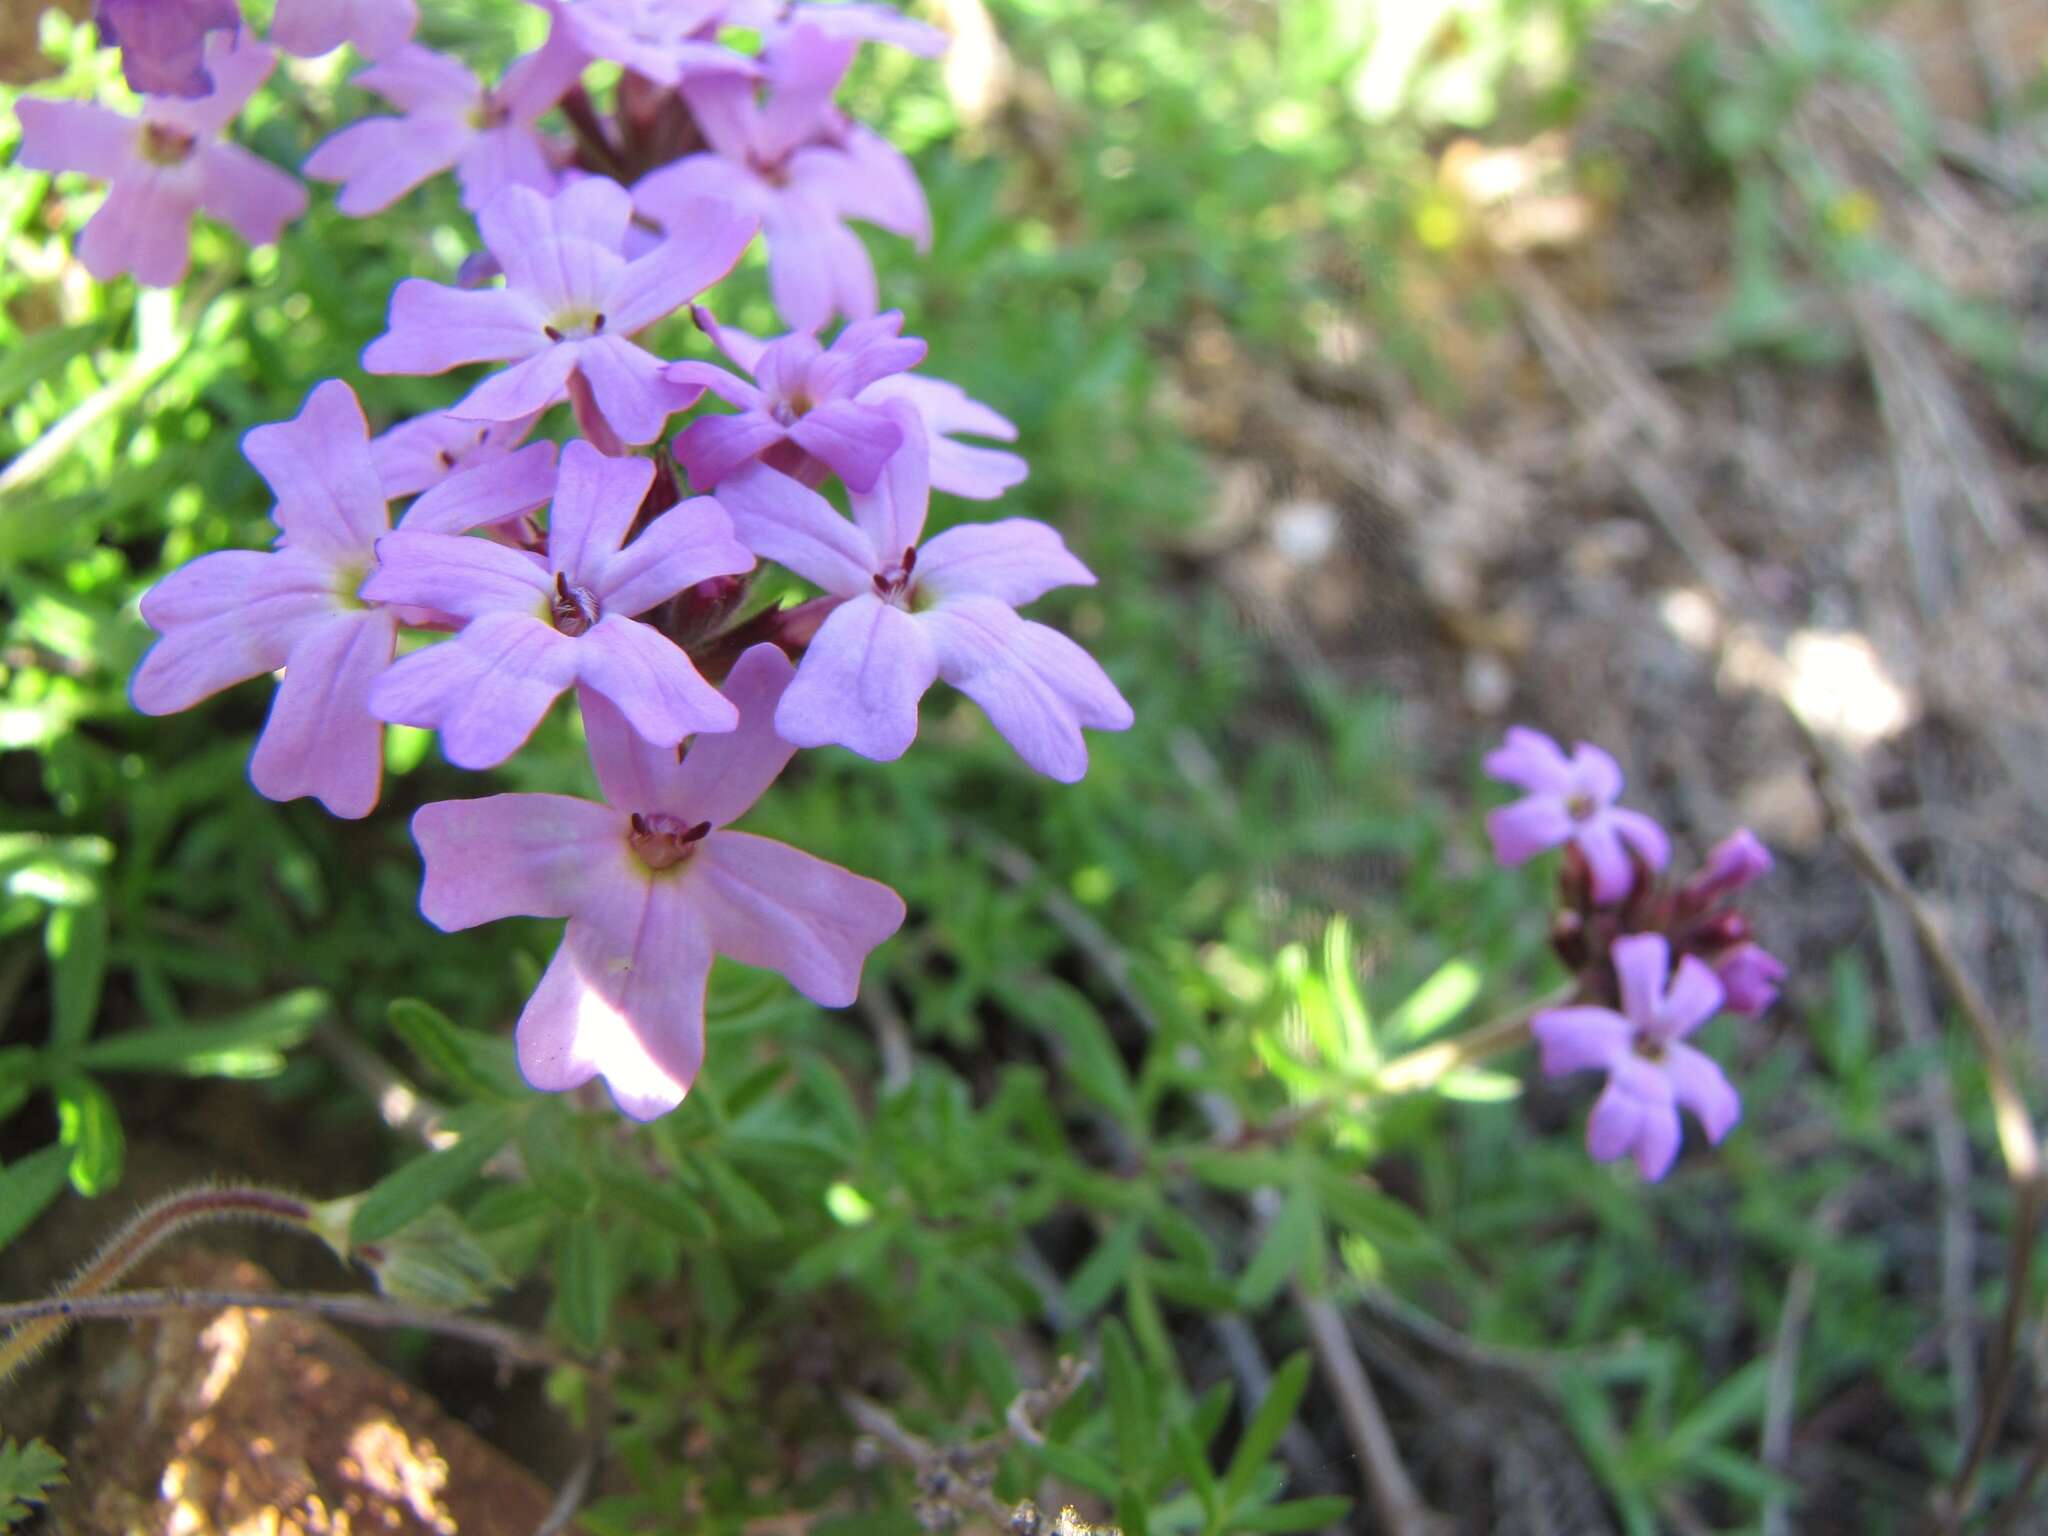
(1429, 1065)
(363, 1311)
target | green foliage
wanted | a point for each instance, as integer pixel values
(1150, 1083)
(27, 1474)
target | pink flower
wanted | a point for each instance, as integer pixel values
(234, 615)
(1571, 800)
(1750, 975)
(569, 302)
(163, 42)
(534, 626)
(804, 395)
(802, 169)
(1739, 860)
(1650, 1071)
(414, 455)
(653, 885)
(958, 469)
(163, 167)
(449, 120)
(376, 28)
(916, 612)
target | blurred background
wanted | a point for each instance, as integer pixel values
(1667, 375)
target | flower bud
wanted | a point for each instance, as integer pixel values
(1738, 860)
(1750, 975)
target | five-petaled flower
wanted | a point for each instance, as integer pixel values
(1571, 799)
(569, 303)
(162, 167)
(653, 885)
(803, 395)
(915, 612)
(532, 625)
(448, 120)
(238, 613)
(798, 166)
(1650, 1069)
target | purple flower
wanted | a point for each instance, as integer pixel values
(569, 302)
(1650, 1070)
(163, 42)
(498, 496)
(534, 626)
(231, 616)
(449, 120)
(653, 886)
(376, 28)
(162, 167)
(1738, 860)
(667, 41)
(1750, 976)
(1571, 800)
(802, 170)
(804, 395)
(959, 469)
(417, 454)
(916, 612)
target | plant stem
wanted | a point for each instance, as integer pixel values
(1430, 1064)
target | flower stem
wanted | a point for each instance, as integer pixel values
(1429, 1065)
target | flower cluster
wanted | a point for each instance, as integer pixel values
(1653, 959)
(523, 571)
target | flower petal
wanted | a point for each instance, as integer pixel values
(1014, 561)
(712, 448)
(623, 1000)
(1613, 872)
(689, 543)
(1642, 965)
(321, 739)
(514, 856)
(381, 159)
(74, 136)
(525, 389)
(893, 512)
(794, 526)
(709, 244)
(1696, 996)
(596, 500)
(651, 680)
(677, 194)
(1700, 1085)
(484, 691)
(855, 441)
(434, 328)
(144, 227)
(1595, 774)
(1526, 827)
(773, 906)
(860, 680)
(319, 467)
(463, 576)
(1530, 760)
(1635, 1113)
(1581, 1039)
(225, 618)
(496, 490)
(417, 79)
(630, 387)
(722, 776)
(1649, 841)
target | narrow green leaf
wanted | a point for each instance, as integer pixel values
(1287, 1252)
(1735, 1402)
(1130, 1402)
(1437, 1002)
(1295, 1515)
(75, 939)
(89, 1125)
(1103, 1271)
(554, 1159)
(475, 1065)
(435, 1179)
(1090, 1058)
(661, 1206)
(749, 1210)
(583, 1299)
(27, 1185)
(1192, 1462)
(249, 1044)
(1269, 1422)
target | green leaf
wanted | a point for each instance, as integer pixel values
(583, 1299)
(1091, 1057)
(1295, 1515)
(748, 1208)
(27, 1185)
(1192, 1462)
(1240, 1171)
(75, 939)
(1289, 1250)
(475, 1065)
(1357, 1205)
(1735, 1402)
(250, 1044)
(1131, 1409)
(661, 1206)
(89, 1125)
(554, 1158)
(27, 1474)
(1103, 1270)
(435, 1179)
(1268, 1424)
(1437, 1002)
